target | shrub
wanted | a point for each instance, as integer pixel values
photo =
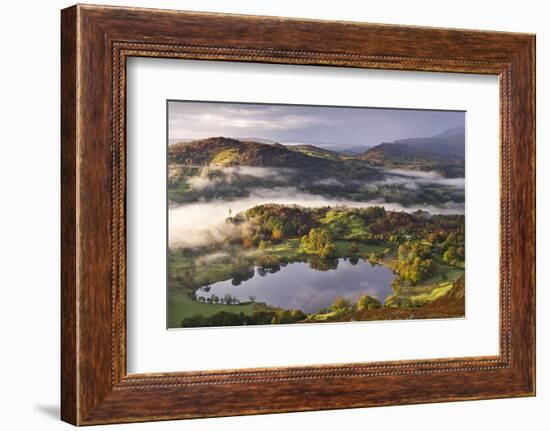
(340, 305)
(196, 321)
(282, 316)
(261, 317)
(367, 302)
(297, 315)
(450, 256)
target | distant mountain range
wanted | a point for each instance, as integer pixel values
(443, 152)
(449, 143)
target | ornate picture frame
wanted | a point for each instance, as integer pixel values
(96, 41)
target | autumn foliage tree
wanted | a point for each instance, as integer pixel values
(318, 241)
(367, 302)
(340, 305)
(277, 235)
(414, 262)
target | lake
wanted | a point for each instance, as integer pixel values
(298, 286)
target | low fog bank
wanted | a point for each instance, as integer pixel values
(201, 223)
(413, 179)
(211, 178)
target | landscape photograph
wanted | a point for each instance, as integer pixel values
(300, 214)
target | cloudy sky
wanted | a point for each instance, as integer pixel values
(305, 124)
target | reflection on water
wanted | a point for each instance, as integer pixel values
(306, 286)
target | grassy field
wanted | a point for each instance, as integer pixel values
(181, 306)
(212, 270)
(290, 249)
(427, 290)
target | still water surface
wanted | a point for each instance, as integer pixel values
(298, 286)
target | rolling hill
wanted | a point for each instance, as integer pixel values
(228, 168)
(312, 161)
(443, 153)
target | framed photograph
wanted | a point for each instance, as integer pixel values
(330, 214)
(315, 221)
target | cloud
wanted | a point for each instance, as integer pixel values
(412, 179)
(346, 126)
(282, 122)
(414, 174)
(261, 172)
(201, 120)
(211, 178)
(333, 182)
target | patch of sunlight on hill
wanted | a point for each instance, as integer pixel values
(226, 157)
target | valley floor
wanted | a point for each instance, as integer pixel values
(407, 302)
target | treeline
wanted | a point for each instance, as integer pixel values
(226, 318)
(342, 306)
(272, 223)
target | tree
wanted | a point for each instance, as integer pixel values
(318, 241)
(433, 237)
(449, 257)
(353, 248)
(329, 251)
(297, 315)
(261, 317)
(374, 213)
(225, 318)
(340, 304)
(277, 235)
(261, 246)
(282, 316)
(367, 302)
(247, 243)
(414, 262)
(195, 321)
